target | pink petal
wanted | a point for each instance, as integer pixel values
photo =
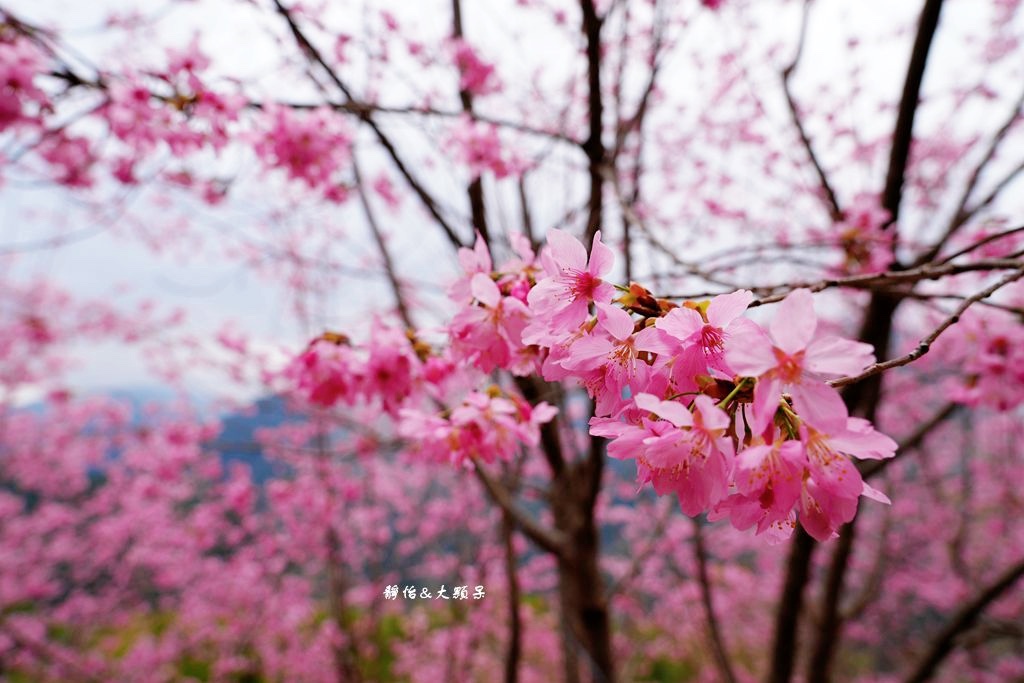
(485, 290)
(567, 250)
(654, 340)
(588, 352)
(795, 322)
(861, 440)
(602, 258)
(766, 401)
(674, 412)
(875, 494)
(727, 307)
(748, 352)
(836, 356)
(712, 416)
(615, 320)
(681, 323)
(820, 406)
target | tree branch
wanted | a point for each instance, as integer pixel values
(594, 145)
(903, 135)
(382, 247)
(475, 190)
(945, 641)
(831, 620)
(925, 344)
(366, 116)
(962, 214)
(829, 198)
(887, 279)
(915, 439)
(787, 618)
(714, 632)
(549, 539)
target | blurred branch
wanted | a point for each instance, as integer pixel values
(714, 631)
(475, 190)
(549, 539)
(640, 558)
(887, 279)
(903, 134)
(915, 439)
(365, 114)
(830, 623)
(382, 247)
(594, 145)
(982, 242)
(945, 642)
(830, 199)
(962, 214)
(787, 619)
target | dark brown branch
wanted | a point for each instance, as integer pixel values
(640, 558)
(513, 652)
(982, 242)
(829, 195)
(873, 583)
(830, 619)
(903, 134)
(475, 190)
(887, 279)
(714, 631)
(548, 539)
(787, 618)
(534, 390)
(594, 144)
(524, 209)
(925, 344)
(945, 641)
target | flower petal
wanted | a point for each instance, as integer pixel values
(725, 308)
(674, 412)
(795, 322)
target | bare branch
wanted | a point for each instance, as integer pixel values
(914, 440)
(962, 214)
(829, 195)
(903, 135)
(594, 145)
(830, 623)
(888, 279)
(382, 247)
(475, 190)
(798, 569)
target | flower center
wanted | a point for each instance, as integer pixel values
(579, 284)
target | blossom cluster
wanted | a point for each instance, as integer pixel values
(737, 420)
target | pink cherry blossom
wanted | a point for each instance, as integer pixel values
(561, 301)
(791, 359)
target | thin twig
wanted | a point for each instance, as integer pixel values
(925, 344)
(830, 199)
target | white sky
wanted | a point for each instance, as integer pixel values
(107, 265)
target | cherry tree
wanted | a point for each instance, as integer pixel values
(764, 255)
